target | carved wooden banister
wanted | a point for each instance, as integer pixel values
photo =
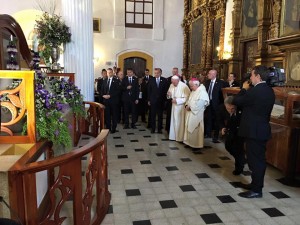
(69, 182)
(9, 23)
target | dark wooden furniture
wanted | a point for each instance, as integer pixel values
(283, 150)
(9, 26)
(64, 175)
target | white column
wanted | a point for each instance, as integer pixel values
(78, 55)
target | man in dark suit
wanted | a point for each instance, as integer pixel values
(229, 121)
(110, 93)
(214, 89)
(99, 84)
(130, 98)
(256, 104)
(146, 79)
(231, 82)
(157, 94)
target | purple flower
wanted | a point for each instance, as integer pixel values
(56, 133)
(59, 106)
(61, 119)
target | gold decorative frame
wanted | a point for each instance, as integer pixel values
(96, 25)
(21, 104)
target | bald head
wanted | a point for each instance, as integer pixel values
(212, 74)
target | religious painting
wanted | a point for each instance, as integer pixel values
(96, 25)
(294, 67)
(250, 49)
(249, 18)
(196, 41)
(217, 29)
(290, 18)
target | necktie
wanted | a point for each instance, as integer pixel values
(210, 89)
(129, 80)
(157, 82)
(109, 84)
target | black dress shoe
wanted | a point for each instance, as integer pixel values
(250, 194)
(133, 127)
(152, 131)
(126, 127)
(237, 172)
(159, 132)
(216, 141)
(245, 186)
(113, 131)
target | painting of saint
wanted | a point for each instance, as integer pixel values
(291, 17)
(249, 21)
(196, 41)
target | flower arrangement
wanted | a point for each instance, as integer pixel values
(52, 30)
(52, 33)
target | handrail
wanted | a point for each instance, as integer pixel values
(9, 23)
(35, 167)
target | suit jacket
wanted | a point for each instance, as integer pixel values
(113, 91)
(158, 95)
(256, 104)
(147, 80)
(233, 84)
(130, 94)
(217, 95)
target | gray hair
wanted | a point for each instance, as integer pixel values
(229, 100)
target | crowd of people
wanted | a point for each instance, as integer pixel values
(195, 110)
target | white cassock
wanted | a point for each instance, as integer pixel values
(194, 123)
(181, 94)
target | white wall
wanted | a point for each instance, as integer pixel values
(114, 38)
(164, 42)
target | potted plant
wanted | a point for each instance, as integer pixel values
(52, 33)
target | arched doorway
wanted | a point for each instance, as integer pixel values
(136, 60)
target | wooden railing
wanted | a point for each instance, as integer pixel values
(87, 195)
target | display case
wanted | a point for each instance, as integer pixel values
(283, 150)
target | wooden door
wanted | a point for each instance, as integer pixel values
(137, 64)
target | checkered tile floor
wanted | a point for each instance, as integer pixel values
(160, 182)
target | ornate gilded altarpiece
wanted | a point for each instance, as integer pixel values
(204, 27)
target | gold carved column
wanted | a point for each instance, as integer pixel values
(264, 14)
(210, 38)
(186, 37)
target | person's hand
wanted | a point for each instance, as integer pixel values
(136, 102)
(169, 94)
(174, 101)
(187, 108)
(246, 84)
(149, 103)
(106, 96)
(223, 131)
(129, 87)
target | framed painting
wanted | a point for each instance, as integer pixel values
(249, 19)
(196, 41)
(293, 68)
(290, 17)
(96, 25)
(250, 49)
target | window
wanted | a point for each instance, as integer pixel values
(139, 13)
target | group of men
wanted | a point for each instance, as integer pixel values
(196, 110)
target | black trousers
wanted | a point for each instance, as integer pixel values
(168, 116)
(235, 146)
(211, 123)
(256, 157)
(130, 108)
(111, 115)
(156, 109)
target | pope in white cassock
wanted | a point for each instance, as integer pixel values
(194, 123)
(179, 93)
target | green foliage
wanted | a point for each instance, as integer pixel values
(52, 31)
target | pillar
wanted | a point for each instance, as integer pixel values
(78, 55)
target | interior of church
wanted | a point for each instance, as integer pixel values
(69, 156)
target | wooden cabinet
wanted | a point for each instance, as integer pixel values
(283, 150)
